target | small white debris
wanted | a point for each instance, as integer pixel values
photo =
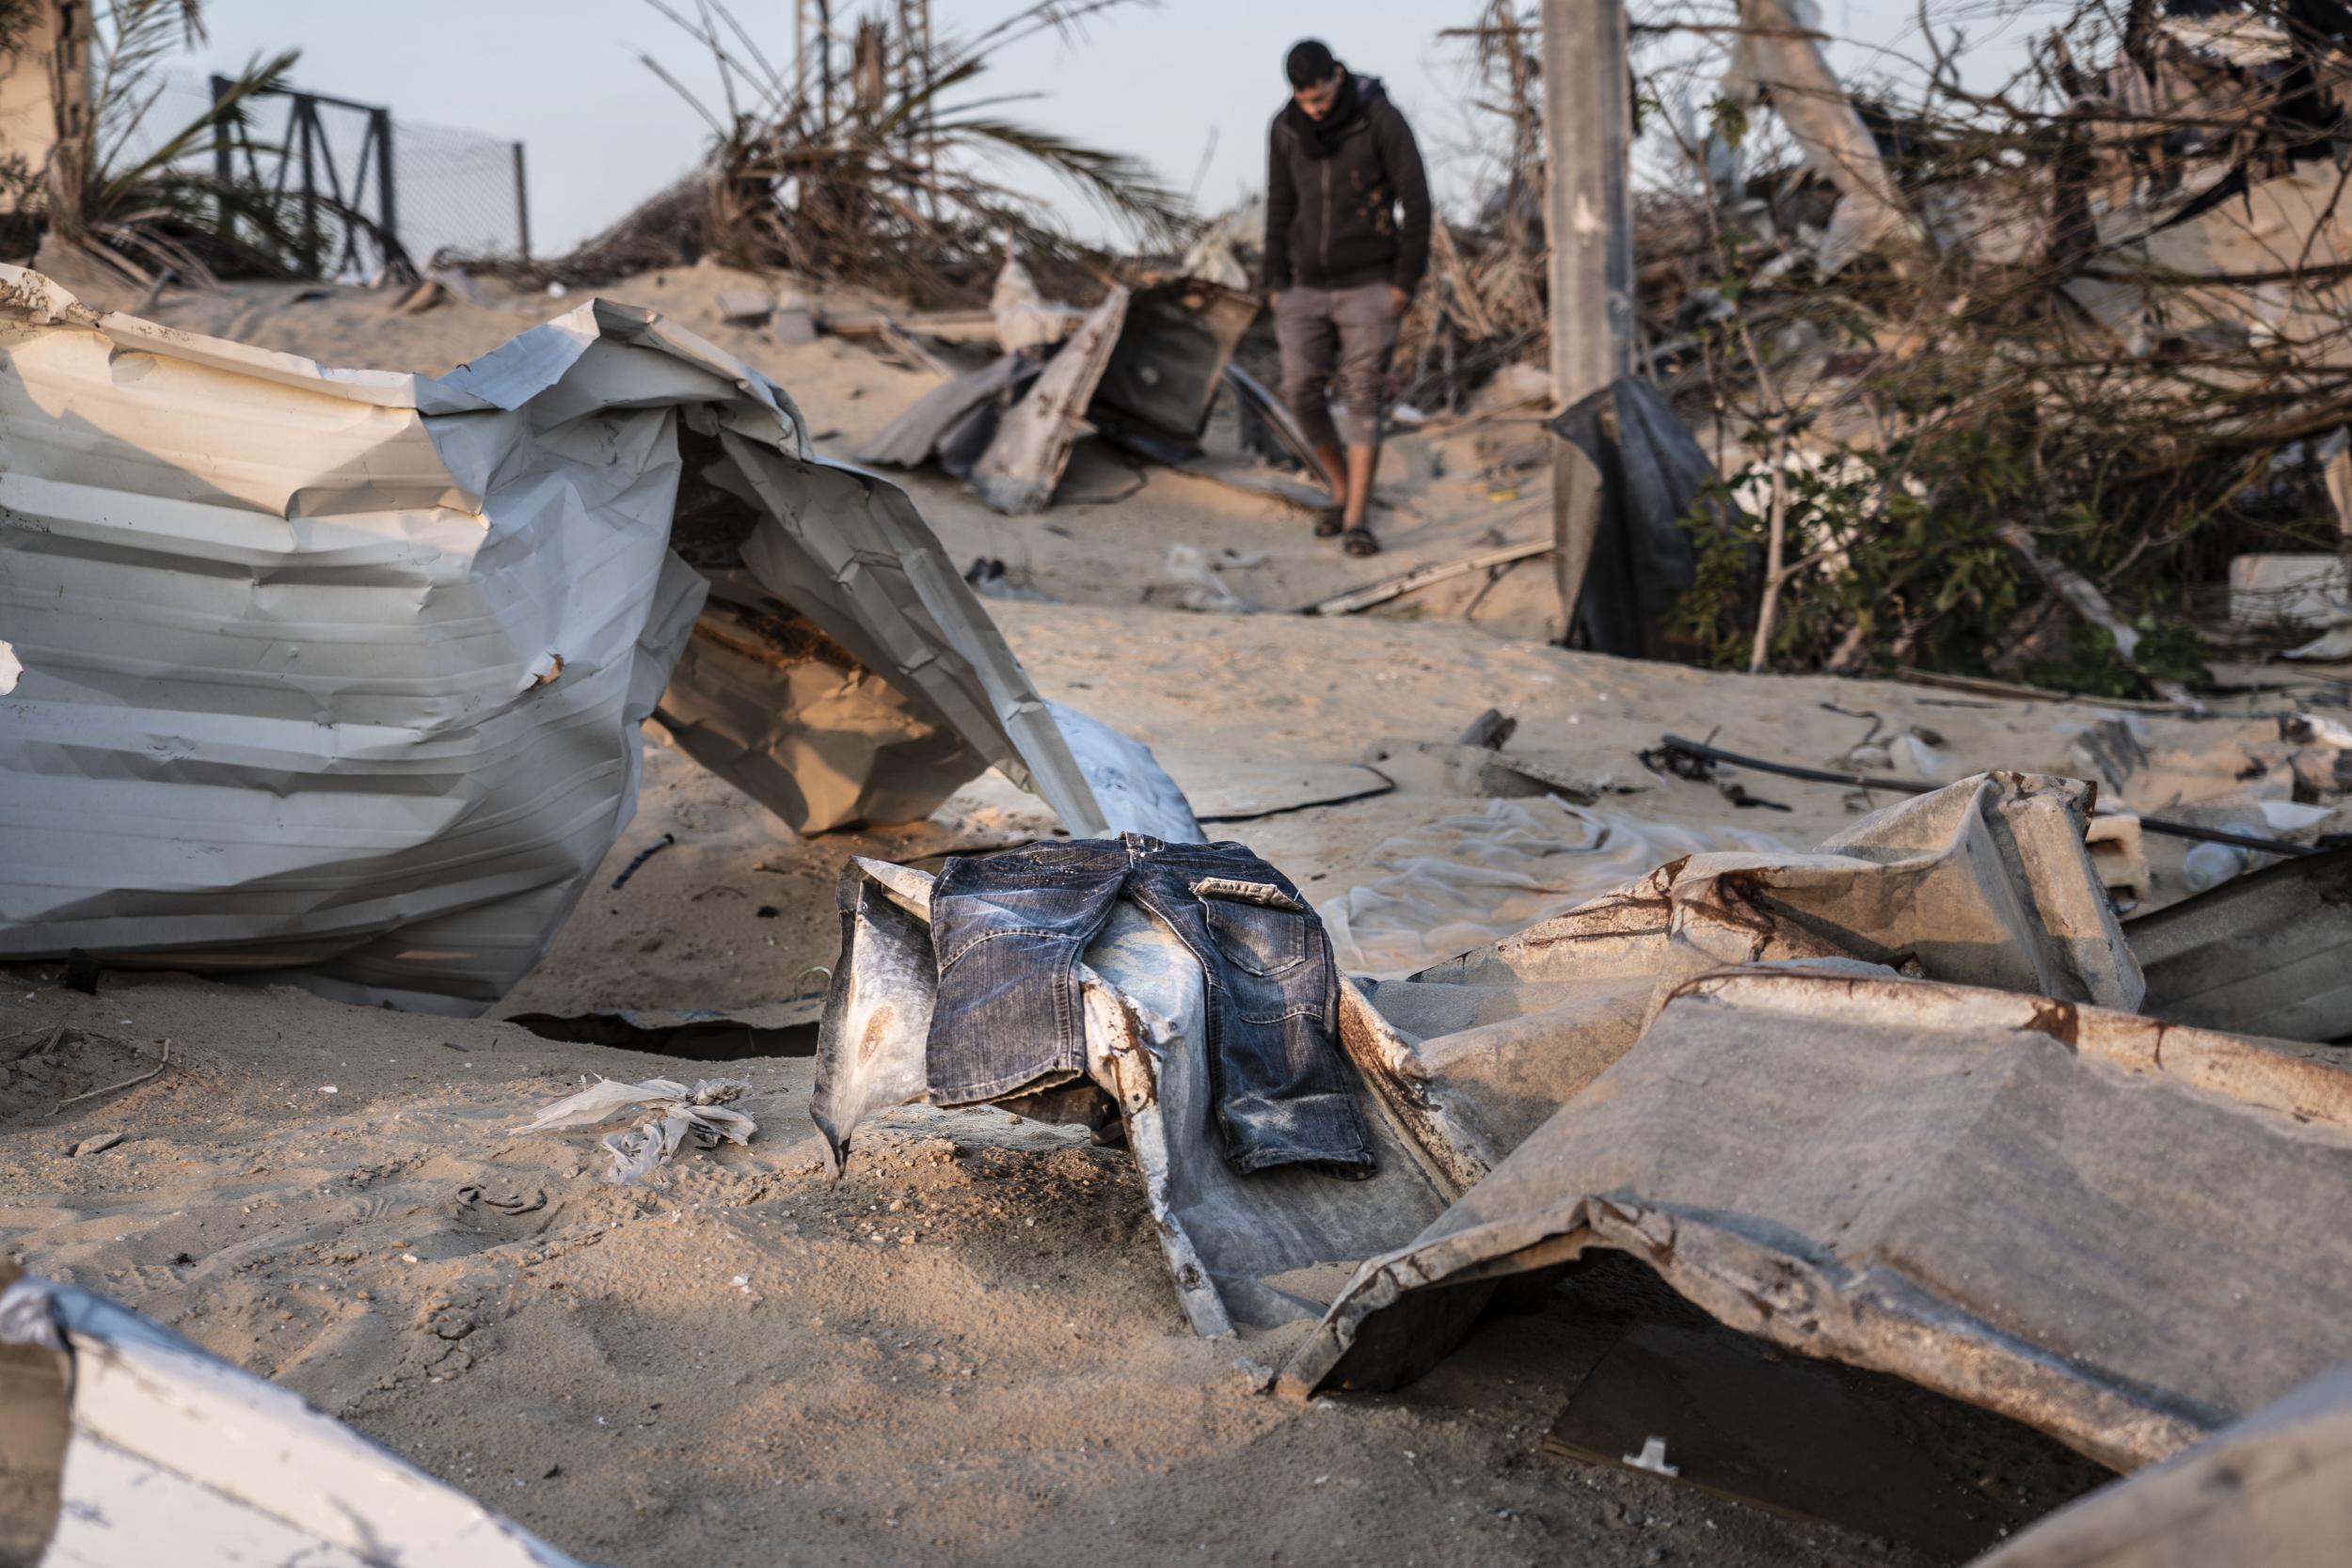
(667, 1113)
(328, 1088)
(1653, 1458)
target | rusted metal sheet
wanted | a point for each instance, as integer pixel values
(2123, 1232)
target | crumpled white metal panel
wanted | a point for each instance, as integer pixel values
(337, 674)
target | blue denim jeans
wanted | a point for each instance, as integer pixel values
(1009, 931)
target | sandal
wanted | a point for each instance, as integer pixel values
(1329, 522)
(1358, 541)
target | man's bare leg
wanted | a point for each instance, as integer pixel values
(1331, 464)
(1334, 466)
(1361, 462)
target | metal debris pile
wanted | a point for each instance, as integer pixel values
(1915, 1102)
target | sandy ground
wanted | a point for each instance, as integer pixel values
(966, 1350)
(1107, 538)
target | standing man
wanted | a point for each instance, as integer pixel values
(1340, 267)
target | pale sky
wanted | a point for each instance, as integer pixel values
(601, 132)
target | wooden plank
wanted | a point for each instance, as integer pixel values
(1025, 461)
(1354, 599)
(955, 327)
(1985, 686)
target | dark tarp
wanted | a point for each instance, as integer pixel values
(1171, 359)
(1645, 475)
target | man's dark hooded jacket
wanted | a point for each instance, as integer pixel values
(1332, 188)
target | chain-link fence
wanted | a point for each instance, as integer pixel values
(459, 192)
(433, 189)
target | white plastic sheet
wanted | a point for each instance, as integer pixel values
(1133, 791)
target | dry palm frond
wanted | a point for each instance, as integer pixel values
(879, 164)
(167, 207)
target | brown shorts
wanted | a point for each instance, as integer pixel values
(1342, 334)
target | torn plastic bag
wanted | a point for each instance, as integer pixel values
(334, 676)
(667, 1113)
(174, 1456)
(2124, 1233)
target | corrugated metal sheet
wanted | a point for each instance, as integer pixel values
(337, 674)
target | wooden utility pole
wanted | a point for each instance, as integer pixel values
(1587, 129)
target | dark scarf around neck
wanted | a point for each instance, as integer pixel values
(1321, 138)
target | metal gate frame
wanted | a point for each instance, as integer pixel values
(306, 146)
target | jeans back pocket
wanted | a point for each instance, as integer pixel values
(1256, 925)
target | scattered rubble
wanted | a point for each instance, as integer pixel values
(1986, 882)
(1141, 369)
(1916, 1104)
